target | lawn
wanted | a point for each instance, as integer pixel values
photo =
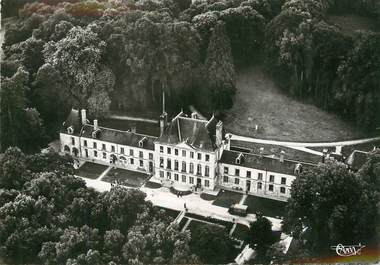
(259, 101)
(349, 23)
(126, 177)
(182, 223)
(240, 232)
(348, 149)
(208, 197)
(170, 212)
(153, 185)
(267, 207)
(226, 198)
(90, 170)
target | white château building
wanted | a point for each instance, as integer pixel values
(189, 151)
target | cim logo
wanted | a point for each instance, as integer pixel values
(347, 251)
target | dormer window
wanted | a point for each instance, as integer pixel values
(298, 169)
(95, 133)
(239, 159)
(141, 142)
(70, 130)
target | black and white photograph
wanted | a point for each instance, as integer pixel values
(147, 132)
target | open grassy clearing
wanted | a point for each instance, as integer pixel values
(259, 101)
(90, 170)
(126, 177)
(349, 23)
(241, 232)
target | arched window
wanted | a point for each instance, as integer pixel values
(66, 149)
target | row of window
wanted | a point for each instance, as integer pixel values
(259, 184)
(184, 167)
(113, 149)
(184, 153)
(184, 178)
(259, 175)
(122, 158)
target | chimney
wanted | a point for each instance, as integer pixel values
(282, 154)
(96, 124)
(194, 115)
(83, 116)
(163, 122)
(219, 133)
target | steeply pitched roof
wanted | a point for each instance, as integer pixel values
(192, 131)
(357, 159)
(263, 162)
(120, 137)
(73, 120)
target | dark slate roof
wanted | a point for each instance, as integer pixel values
(357, 159)
(192, 131)
(263, 162)
(73, 119)
(119, 137)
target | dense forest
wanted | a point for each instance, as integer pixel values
(120, 55)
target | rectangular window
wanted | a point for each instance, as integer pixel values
(191, 180)
(271, 178)
(225, 179)
(175, 165)
(86, 151)
(283, 181)
(95, 153)
(141, 163)
(131, 152)
(176, 152)
(207, 183)
(225, 170)
(104, 155)
(183, 166)
(260, 176)
(161, 174)
(103, 146)
(151, 156)
(183, 178)
(199, 156)
(191, 168)
(161, 162)
(112, 148)
(270, 187)
(132, 161)
(237, 181)
(191, 154)
(161, 149)
(169, 150)
(207, 157)
(259, 185)
(184, 153)
(176, 177)
(122, 150)
(168, 175)
(72, 140)
(168, 164)
(199, 169)
(282, 190)
(85, 143)
(237, 172)
(94, 144)
(248, 174)
(141, 154)
(207, 171)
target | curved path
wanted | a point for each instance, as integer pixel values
(304, 144)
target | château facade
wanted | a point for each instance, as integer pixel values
(190, 151)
